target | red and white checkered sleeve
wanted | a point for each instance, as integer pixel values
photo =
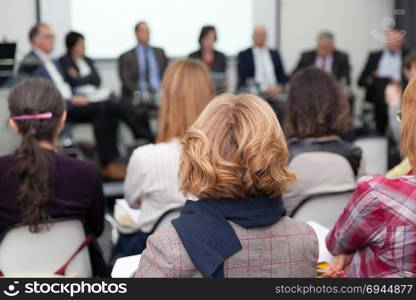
(358, 223)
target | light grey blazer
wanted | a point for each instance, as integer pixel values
(288, 248)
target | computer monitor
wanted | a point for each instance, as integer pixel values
(7, 61)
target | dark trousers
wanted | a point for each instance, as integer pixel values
(137, 118)
(129, 244)
(104, 118)
(380, 108)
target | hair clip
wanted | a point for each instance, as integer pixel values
(42, 116)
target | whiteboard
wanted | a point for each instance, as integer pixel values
(108, 25)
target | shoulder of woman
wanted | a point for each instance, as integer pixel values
(76, 167)
(6, 162)
(372, 185)
(151, 150)
(219, 53)
(166, 241)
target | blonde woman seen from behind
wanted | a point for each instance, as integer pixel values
(234, 161)
(152, 182)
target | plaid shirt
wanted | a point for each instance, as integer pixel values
(378, 225)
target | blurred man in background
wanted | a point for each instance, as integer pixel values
(261, 65)
(327, 58)
(383, 67)
(141, 69)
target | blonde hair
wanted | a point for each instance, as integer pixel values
(408, 134)
(187, 88)
(236, 148)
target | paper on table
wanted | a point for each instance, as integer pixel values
(93, 93)
(100, 95)
(321, 233)
(125, 266)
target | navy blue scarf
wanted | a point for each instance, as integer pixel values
(208, 237)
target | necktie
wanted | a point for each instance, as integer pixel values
(323, 63)
(146, 67)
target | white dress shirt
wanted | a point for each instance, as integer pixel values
(264, 68)
(83, 67)
(390, 65)
(152, 179)
(53, 72)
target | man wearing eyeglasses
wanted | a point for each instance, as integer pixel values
(39, 63)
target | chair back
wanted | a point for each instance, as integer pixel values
(375, 151)
(323, 209)
(41, 254)
(166, 218)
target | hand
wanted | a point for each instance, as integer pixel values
(73, 72)
(275, 90)
(393, 94)
(370, 79)
(339, 266)
(79, 101)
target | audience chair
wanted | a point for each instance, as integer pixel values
(375, 153)
(166, 218)
(323, 208)
(61, 250)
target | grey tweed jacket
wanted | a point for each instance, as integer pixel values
(288, 248)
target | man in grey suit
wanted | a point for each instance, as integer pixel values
(141, 69)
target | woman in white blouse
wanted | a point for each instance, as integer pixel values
(152, 182)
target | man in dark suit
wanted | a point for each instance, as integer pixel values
(262, 66)
(328, 58)
(39, 63)
(383, 67)
(141, 69)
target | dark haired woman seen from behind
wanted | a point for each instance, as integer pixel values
(316, 114)
(37, 184)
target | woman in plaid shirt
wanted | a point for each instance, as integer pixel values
(375, 236)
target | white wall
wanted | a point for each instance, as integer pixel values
(350, 20)
(264, 13)
(16, 18)
(57, 14)
(175, 25)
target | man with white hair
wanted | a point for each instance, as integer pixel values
(262, 65)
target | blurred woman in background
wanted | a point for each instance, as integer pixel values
(213, 59)
(79, 70)
(83, 77)
(152, 182)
